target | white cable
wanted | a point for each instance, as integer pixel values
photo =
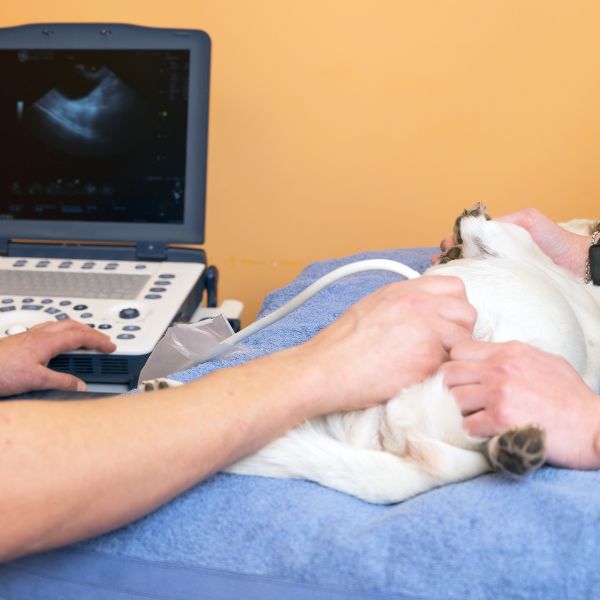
(375, 264)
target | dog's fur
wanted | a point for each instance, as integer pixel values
(415, 442)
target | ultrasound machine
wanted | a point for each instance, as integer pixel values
(103, 132)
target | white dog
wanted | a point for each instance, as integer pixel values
(415, 442)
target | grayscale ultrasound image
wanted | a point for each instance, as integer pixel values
(93, 135)
(96, 117)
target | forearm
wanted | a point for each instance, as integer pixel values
(69, 470)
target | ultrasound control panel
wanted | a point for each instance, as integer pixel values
(131, 302)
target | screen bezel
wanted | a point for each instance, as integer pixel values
(94, 36)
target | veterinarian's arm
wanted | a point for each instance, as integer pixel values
(70, 470)
(498, 386)
(24, 356)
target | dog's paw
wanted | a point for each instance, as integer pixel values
(455, 252)
(518, 451)
(160, 383)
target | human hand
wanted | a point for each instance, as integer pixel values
(498, 386)
(24, 357)
(568, 250)
(390, 339)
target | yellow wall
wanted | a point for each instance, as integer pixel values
(343, 125)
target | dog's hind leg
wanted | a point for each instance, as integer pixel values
(369, 474)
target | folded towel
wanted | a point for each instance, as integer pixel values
(485, 538)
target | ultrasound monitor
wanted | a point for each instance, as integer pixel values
(103, 133)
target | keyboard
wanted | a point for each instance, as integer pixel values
(66, 284)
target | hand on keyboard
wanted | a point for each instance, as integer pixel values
(24, 357)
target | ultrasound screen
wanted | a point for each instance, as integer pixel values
(91, 135)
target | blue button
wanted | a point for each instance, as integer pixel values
(42, 263)
(7, 308)
(166, 276)
(27, 300)
(112, 265)
(65, 264)
(64, 302)
(7, 300)
(32, 307)
(62, 316)
(131, 328)
(152, 296)
(140, 266)
(162, 283)
(104, 326)
(79, 307)
(47, 301)
(19, 263)
(158, 289)
(52, 310)
(125, 336)
(109, 268)
(86, 315)
(90, 325)
(129, 313)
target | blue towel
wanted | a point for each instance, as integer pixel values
(253, 537)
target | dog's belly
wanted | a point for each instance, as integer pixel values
(515, 301)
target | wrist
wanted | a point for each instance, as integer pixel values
(291, 381)
(595, 449)
(592, 262)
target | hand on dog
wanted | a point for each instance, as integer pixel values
(568, 250)
(390, 339)
(24, 357)
(498, 386)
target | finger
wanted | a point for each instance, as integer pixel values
(442, 285)
(447, 242)
(87, 338)
(59, 326)
(461, 373)
(469, 398)
(44, 325)
(480, 424)
(526, 218)
(458, 311)
(54, 343)
(473, 350)
(53, 380)
(450, 333)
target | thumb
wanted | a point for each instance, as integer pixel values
(62, 381)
